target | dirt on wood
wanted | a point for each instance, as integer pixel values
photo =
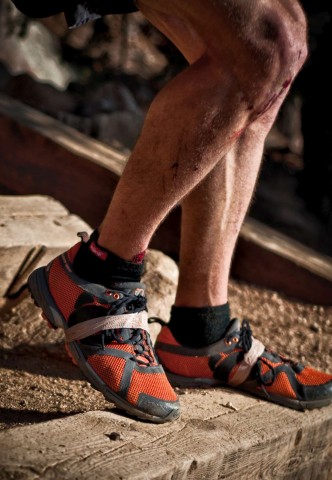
(39, 382)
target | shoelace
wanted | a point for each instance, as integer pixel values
(139, 338)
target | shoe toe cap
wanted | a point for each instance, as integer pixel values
(319, 392)
(162, 410)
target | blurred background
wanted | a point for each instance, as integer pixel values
(102, 77)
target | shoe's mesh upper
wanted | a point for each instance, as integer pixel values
(109, 369)
(154, 384)
(63, 289)
(281, 386)
(166, 336)
(186, 366)
(224, 355)
(265, 366)
(71, 253)
(310, 376)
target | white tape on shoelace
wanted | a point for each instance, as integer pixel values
(95, 325)
(249, 360)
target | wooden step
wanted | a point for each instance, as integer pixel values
(21, 249)
(40, 155)
(219, 436)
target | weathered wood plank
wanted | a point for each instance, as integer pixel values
(287, 248)
(68, 138)
(224, 445)
(269, 258)
(40, 155)
(21, 248)
(221, 434)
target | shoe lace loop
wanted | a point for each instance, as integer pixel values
(245, 336)
(157, 320)
(137, 337)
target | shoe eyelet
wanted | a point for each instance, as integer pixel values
(116, 296)
(109, 293)
(228, 342)
(235, 339)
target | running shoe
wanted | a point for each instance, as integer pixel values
(240, 361)
(106, 331)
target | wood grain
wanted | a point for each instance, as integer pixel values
(258, 441)
(21, 248)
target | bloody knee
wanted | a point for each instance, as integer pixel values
(268, 54)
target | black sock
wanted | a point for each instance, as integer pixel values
(98, 265)
(199, 327)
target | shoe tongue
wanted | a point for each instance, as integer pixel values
(125, 334)
(235, 326)
(133, 288)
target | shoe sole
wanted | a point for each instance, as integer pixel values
(43, 299)
(187, 382)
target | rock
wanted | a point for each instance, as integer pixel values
(4, 77)
(82, 124)
(31, 49)
(130, 48)
(120, 129)
(109, 97)
(160, 278)
(39, 95)
(143, 57)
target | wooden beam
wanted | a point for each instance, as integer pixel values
(39, 155)
(34, 230)
(258, 440)
(268, 258)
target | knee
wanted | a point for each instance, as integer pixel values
(281, 44)
(269, 52)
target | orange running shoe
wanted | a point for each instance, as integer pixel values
(239, 360)
(107, 337)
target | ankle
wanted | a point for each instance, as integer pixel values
(199, 326)
(99, 265)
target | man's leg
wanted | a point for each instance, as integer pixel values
(201, 346)
(212, 215)
(237, 77)
(250, 53)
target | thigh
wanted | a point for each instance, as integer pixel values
(234, 30)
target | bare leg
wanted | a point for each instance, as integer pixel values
(198, 117)
(212, 215)
(211, 219)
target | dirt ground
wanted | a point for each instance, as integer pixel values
(39, 383)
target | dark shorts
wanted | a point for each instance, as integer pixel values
(77, 12)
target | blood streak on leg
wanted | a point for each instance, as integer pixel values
(273, 99)
(263, 110)
(237, 134)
